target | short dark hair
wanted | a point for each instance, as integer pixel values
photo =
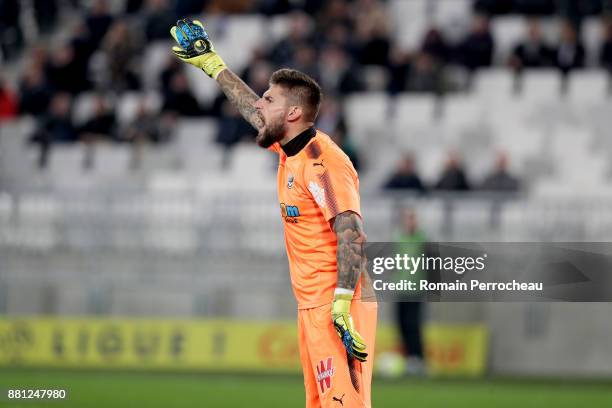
(303, 90)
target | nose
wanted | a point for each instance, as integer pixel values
(258, 104)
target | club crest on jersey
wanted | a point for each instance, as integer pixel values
(325, 372)
(290, 181)
(318, 193)
(290, 213)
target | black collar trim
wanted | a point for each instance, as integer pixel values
(296, 144)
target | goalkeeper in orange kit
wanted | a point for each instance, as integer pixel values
(318, 191)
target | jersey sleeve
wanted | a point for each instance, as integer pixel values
(334, 185)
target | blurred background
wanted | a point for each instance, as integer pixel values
(139, 227)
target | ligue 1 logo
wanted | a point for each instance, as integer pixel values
(290, 181)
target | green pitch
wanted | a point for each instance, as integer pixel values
(117, 390)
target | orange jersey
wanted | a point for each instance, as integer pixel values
(314, 185)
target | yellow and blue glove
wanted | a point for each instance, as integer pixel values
(195, 48)
(343, 323)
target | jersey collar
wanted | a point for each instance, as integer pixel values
(296, 144)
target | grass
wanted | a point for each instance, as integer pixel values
(131, 389)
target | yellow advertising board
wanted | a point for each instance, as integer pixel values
(216, 345)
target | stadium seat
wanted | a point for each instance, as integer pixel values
(494, 83)
(592, 36)
(413, 121)
(541, 85)
(111, 161)
(127, 105)
(365, 113)
(507, 32)
(452, 13)
(84, 106)
(155, 58)
(195, 146)
(589, 86)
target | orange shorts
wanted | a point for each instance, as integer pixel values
(330, 379)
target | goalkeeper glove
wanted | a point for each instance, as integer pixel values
(343, 323)
(195, 47)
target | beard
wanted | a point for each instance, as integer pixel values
(270, 134)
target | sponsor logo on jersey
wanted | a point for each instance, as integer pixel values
(325, 372)
(290, 213)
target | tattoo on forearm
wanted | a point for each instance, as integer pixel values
(351, 254)
(241, 96)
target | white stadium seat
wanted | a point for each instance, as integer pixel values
(366, 113)
(507, 32)
(494, 83)
(542, 84)
(589, 86)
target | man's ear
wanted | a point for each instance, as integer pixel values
(295, 113)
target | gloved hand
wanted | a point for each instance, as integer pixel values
(343, 323)
(195, 47)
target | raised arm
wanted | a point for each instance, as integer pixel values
(241, 96)
(195, 48)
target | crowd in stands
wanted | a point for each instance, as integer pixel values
(453, 177)
(348, 46)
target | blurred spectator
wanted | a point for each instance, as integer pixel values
(535, 7)
(453, 177)
(425, 75)
(142, 130)
(337, 35)
(300, 32)
(133, 6)
(494, 7)
(45, 12)
(436, 46)
(66, 72)
(500, 179)
(158, 17)
(55, 127)
(232, 129)
(102, 124)
(172, 66)
(330, 115)
(11, 35)
(9, 104)
(98, 21)
(101, 127)
(412, 241)
(179, 98)
(371, 36)
(34, 92)
(305, 60)
(533, 52)
(476, 49)
(189, 7)
(570, 52)
(605, 55)
(340, 137)
(257, 75)
(405, 176)
(335, 12)
(338, 75)
(115, 62)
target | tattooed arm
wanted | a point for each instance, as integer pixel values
(351, 256)
(241, 96)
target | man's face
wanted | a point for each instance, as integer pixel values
(273, 108)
